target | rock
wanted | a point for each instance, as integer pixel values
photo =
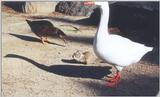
(115, 7)
(74, 8)
(32, 7)
(136, 22)
(145, 5)
(40, 7)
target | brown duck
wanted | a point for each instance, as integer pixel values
(44, 28)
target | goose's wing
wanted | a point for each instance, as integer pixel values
(122, 51)
(125, 42)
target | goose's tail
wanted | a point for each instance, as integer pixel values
(148, 49)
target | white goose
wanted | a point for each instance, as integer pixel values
(115, 49)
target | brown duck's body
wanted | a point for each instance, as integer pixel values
(44, 28)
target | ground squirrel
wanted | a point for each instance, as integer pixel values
(85, 57)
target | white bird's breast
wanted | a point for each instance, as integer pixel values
(119, 50)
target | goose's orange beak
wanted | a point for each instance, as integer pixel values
(89, 3)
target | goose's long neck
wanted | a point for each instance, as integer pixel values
(102, 31)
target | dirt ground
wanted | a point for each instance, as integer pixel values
(32, 69)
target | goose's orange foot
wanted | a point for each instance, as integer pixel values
(114, 81)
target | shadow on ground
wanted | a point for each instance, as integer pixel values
(139, 85)
(79, 39)
(94, 72)
(26, 38)
(135, 85)
(32, 39)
